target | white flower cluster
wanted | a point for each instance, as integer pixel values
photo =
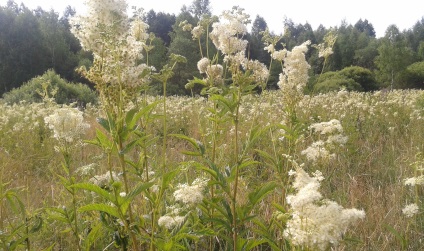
(67, 124)
(419, 181)
(225, 35)
(197, 32)
(316, 223)
(104, 180)
(294, 77)
(191, 194)
(169, 221)
(116, 43)
(172, 218)
(410, 210)
(321, 149)
(332, 126)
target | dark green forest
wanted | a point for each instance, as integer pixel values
(35, 41)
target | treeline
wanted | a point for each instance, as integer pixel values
(34, 41)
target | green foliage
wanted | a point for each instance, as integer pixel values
(352, 78)
(182, 43)
(51, 85)
(415, 75)
(394, 56)
(336, 84)
(31, 42)
(362, 76)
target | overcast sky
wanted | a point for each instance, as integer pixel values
(330, 13)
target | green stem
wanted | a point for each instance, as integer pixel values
(236, 156)
(164, 126)
(126, 187)
(67, 159)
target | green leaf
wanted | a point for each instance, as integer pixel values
(261, 192)
(129, 146)
(131, 195)
(58, 214)
(245, 245)
(96, 189)
(37, 224)
(129, 119)
(103, 140)
(196, 144)
(49, 248)
(92, 237)
(102, 208)
(104, 123)
(402, 240)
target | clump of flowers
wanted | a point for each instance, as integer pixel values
(117, 45)
(225, 35)
(104, 180)
(412, 209)
(295, 76)
(191, 194)
(316, 222)
(169, 222)
(325, 49)
(67, 124)
(321, 149)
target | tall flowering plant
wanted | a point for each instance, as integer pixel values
(228, 77)
(118, 45)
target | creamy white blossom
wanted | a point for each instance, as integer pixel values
(203, 64)
(190, 194)
(410, 210)
(170, 222)
(419, 180)
(225, 34)
(316, 223)
(104, 180)
(67, 124)
(317, 151)
(332, 126)
(294, 77)
(197, 32)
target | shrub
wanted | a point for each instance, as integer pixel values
(415, 75)
(362, 76)
(335, 82)
(353, 78)
(52, 85)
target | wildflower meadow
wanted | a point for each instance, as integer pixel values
(238, 167)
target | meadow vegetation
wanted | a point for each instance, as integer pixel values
(228, 170)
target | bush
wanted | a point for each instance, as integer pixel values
(353, 78)
(52, 85)
(336, 83)
(415, 75)
(362, 76)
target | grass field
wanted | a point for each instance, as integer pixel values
(383, 146)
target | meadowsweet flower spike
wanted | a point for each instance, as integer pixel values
(316, 223)
(117, 45)
(67, 124)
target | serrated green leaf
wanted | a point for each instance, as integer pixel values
(96, 189)
(104, 123)
(100, 207)
(261, 192)
(132, 194)
(103, 140)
